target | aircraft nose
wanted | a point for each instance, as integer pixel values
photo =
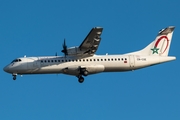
(6, 68)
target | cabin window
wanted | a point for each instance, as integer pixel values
(45, 61)
(112, 59)
(79, 60)
(62, 60)
(69, 60)
(55, 60)
(115, 59)
(59, 61)
(108, 59)
(51, 60)
(83, 60)
(125, 58)
(48, 60)
(119, 59)
(90, 59)
(94, 59)
(86, 59)
(66, 60)
(97, 59)
(104, 59)
(72, 60)
(101, 59)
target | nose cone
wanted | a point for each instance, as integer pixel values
(6, 69)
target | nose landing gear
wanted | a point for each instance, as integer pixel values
(14, 76)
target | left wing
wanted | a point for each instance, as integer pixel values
(91, 42)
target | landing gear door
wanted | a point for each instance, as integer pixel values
(131, 61)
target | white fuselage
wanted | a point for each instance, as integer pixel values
(94, 64)
(81, 61)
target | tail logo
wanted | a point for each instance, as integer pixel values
(155, 49)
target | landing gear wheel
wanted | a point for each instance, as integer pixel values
(14, 77)
(85, 73)
(81, 79)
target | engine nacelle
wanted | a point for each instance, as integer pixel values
(76, 70)
(95, 69)
(71, 70)
(74, 51)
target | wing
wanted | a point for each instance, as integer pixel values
(90, 44)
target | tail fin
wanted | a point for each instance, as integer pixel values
(160, 46)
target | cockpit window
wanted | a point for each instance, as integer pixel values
(13, 61)
(16, 60)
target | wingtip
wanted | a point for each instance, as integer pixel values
(171, 27)
(97, 27)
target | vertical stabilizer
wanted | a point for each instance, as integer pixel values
(160, 46)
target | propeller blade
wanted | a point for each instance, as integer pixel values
(64, 48)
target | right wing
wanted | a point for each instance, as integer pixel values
(88, 47)
(90, 44)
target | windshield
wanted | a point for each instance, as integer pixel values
(16, 60)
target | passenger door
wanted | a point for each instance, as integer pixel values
(131, 61)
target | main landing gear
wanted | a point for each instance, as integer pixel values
(83, 72)
(80, 79)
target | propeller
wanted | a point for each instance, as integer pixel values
(64, 48)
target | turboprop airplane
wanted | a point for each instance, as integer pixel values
(81, 60)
